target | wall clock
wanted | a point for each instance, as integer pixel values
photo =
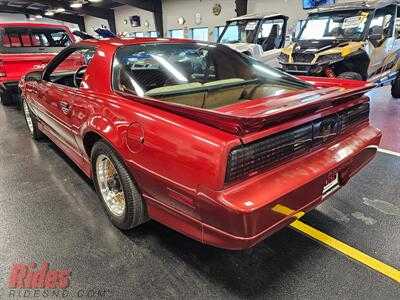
(216, 9)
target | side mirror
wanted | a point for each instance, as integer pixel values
(34, 76)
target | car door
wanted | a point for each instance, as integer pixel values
(57, 91)
(381, 39)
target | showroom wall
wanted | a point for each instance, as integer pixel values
(94, 23)
(123, 13)
(292, 8)
(5, 17)
(174, 9)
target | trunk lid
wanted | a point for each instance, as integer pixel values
(256, 115)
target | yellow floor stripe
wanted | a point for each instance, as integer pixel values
(340, 246)
(347, 250)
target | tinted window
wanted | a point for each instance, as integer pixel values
(156, 70)
(35, 37)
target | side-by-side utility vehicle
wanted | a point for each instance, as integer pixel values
(358, 40)
(257, 35)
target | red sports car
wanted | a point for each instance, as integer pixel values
(199, 137)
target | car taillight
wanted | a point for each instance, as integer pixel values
(247, 160)
(3, 72)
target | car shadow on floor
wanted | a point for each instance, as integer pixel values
(248, 273)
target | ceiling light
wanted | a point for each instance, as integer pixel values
(76, 5)
(60, 9)
(49, 13)
(95, 1)
(38, 17)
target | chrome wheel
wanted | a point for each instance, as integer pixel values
(110, 185)
(28, 117)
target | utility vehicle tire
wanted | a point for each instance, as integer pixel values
(116, 188)
(396, 88)
(6, 98)
(350, 75)
(31, 122)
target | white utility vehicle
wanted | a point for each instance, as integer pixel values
(257, 35)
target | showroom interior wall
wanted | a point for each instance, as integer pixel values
(123, 13)
(94, 23)
(6, 17)
(174, 9)
(292, 8)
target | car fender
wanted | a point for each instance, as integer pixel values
(107, 130)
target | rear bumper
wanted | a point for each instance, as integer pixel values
(243, 215)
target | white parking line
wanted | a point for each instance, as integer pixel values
(389, 152)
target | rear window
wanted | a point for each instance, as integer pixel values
(26, 37)
(202, 75)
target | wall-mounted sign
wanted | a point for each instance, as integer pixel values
(216, 9)
(197, 18)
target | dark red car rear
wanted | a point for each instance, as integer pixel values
(26, 47)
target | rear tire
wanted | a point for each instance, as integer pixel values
(6, 98)
(350, 75)
(116, 188)
(396, 88)
(31, 122)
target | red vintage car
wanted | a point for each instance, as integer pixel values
(200, 137)
(26, 47)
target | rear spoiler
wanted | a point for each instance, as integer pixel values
(269, 111)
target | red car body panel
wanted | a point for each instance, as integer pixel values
(18, 64)
(179, 162)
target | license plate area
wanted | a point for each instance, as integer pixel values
(331, 185)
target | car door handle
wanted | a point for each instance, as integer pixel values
(65, 107)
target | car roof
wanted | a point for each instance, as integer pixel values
(120, 42)
(259, 16)
(367, 4)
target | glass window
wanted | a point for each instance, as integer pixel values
(199, 34)
(382, 22)
(35, 37)
(152, 34)
(299, 27)
(138, 34)
(64, 73)
(242, 31)
(209, 73)
(176, 34)
(217, 32)
(267, 26)
(349, 24)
